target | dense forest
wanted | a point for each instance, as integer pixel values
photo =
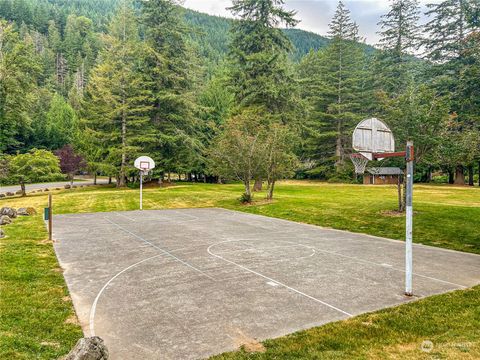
(249, 99)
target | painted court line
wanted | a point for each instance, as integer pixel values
(390, 267)
(95, 302)
(160, 249)
(273, 280)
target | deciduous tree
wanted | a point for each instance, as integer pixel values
(34, 166)
(70, 162)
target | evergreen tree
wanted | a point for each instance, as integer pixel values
(450, 29)
(261, 74)
(118, 98)
(333, 81)
(400, 37)
(19, 68)
(61, 124)
(171, 74)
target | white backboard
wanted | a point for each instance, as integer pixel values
(144, 163)
(373, 136)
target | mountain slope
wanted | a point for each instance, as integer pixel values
(211, 33)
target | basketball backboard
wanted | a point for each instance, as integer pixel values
(144, 163)
(373, 136)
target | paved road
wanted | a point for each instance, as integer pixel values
(52, 185)
(187, 284)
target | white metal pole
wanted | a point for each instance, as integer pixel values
(141, 190)
(409, 221)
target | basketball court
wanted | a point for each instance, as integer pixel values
(187, 284)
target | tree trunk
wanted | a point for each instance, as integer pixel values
(248, 191)
(109, 180)
(22, 188)
(71, 180)
(271, 187)
(459, 175)
(479, 173)
(470, 175)
(451, 178)
(339, 147)
(95, 178)
(258, 185)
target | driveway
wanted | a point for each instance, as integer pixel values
(51, 185)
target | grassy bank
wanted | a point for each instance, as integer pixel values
(451, 322)
(37, 320)
(36, 314)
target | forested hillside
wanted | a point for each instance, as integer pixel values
(210, 32)
(212, 98)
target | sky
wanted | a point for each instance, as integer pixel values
(315, 15)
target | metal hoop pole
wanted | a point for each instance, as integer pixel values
(141, 189)
(409, 221)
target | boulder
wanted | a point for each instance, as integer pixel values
(91, 348)
(9, 193)
(74, 186)
(19, 192)
(8, 211)
(4, 220)
(2, 195)
(28, 211)
(2, 234)
(46, 189)
(67, 186)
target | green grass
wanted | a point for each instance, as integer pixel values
(36, 314)
(451, 322)
(37, 320)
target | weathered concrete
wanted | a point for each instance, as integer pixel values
(186, 284)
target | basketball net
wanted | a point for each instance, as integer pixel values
(360, 162)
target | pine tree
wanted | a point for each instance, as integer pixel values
(172, 75)
(448, 46)
(118, 98)
(334, 79)
(260, 71)
(448, 29)
(400, 38)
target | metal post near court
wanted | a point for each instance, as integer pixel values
(50, 215)
(409, 220)
(141, 190)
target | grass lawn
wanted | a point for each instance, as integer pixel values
(36, 314)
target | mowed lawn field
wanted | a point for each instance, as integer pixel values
(37, 318)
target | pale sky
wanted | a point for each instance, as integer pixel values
(315, 15)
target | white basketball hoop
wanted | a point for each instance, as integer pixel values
(145, 164)
(360, 162)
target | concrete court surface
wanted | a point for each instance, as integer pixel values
(187, 284)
